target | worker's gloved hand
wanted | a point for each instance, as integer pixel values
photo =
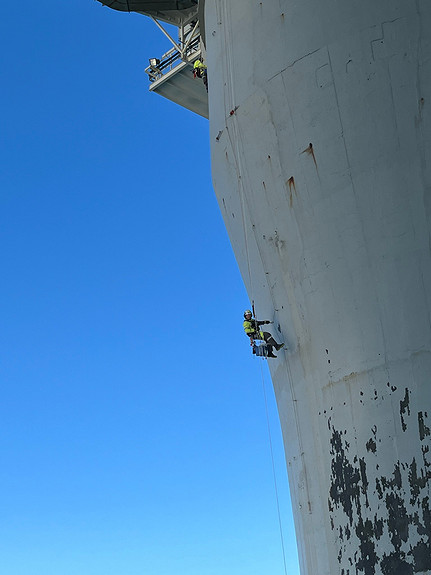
(267, 321)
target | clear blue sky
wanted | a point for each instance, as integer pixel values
(133, 434)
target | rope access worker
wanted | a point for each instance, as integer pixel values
(251, 328)
(200, 71)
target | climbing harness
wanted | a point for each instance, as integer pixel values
(260, 347)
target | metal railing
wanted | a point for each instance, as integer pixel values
(158, 68)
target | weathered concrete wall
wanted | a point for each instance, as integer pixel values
(321, 151)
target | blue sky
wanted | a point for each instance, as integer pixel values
(133, 429)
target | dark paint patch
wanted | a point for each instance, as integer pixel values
(378, 527)
(368, 559)
(344, 489)
(423, 429)
(425, 449)
(417, 483)
(409, 484)
(398, 521)
(395, 564)
(379, 488)
(395, 482)
(427, 514)
(364, 480)
(421, 556)
(405, 406)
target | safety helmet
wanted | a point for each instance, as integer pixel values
(248, 312)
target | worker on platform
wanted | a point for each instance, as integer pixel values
(200, 71)
(251, 328)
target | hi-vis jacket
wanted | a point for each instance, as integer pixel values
(251, 328)
(199, 69)
(199, 65)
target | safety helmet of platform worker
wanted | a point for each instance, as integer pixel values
(246, 313)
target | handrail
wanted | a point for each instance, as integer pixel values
(171, 59)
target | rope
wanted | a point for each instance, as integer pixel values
(233, 133)
(273, 470)
(234, 137)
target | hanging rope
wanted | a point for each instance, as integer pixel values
(236, 145)
(273, 470)
(231, 127)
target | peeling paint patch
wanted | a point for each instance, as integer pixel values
(393, 564)
(405, 407)
(398, 520)
(417, 482)
(392, 387)
(344, 489)
(382, 521)
(371, 445)
(424, 430)
(368, 558)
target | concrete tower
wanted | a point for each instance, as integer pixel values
(320, 134)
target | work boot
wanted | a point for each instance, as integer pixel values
(279, 346)
(271, 355)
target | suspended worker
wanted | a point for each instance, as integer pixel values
(251, 328)
(200, 71)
